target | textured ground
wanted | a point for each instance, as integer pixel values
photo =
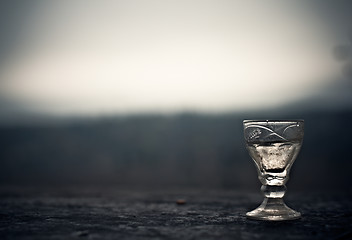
(78, 213)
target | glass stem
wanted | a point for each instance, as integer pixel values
(277, 192)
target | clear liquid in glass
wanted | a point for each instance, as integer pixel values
(273, 160)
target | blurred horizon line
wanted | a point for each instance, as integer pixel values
(294, 108)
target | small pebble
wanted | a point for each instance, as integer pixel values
(180, 202)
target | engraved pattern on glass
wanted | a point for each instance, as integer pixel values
(273, 145)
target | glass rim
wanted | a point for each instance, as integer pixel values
(273, 120)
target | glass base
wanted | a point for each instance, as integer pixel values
(273, 209)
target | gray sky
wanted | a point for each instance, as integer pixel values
(128, 56)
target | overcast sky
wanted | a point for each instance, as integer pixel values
(130, 56)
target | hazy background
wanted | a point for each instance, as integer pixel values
(153, 93)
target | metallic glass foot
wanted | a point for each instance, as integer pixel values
(273, 209)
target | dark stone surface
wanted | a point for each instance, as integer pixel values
(110, 213)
